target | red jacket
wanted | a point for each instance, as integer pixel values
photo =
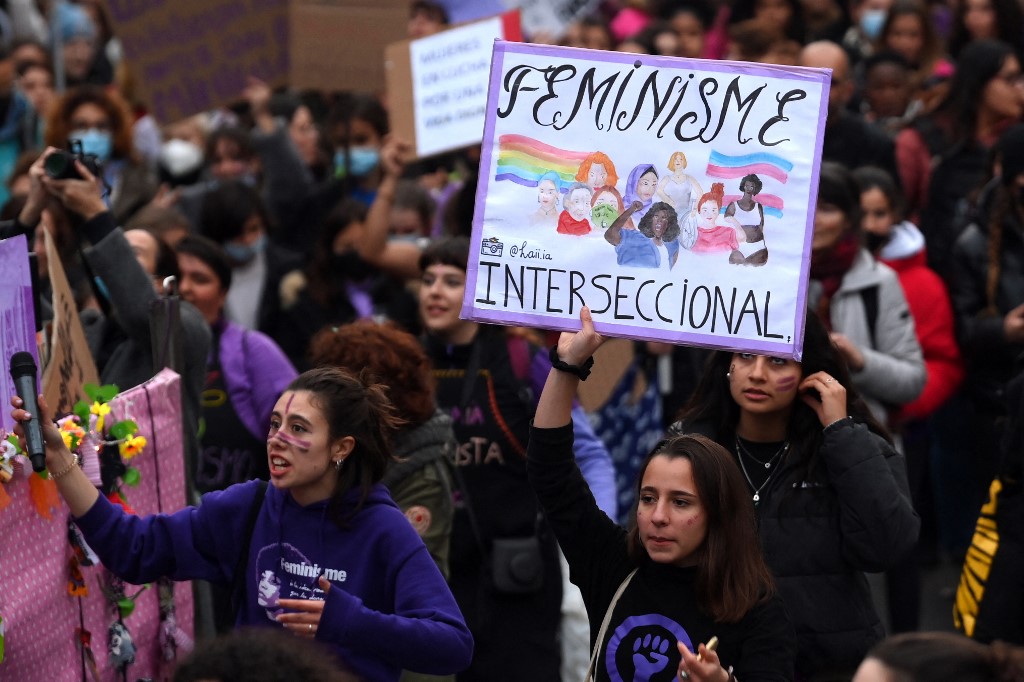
(933, 320)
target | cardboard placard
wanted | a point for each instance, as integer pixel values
(17, 317)
(189, 56)
(437, 86)
(70, 366)
(673, 197)
(338, 45)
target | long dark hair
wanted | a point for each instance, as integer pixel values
(732, 576)
(357, 408)
(1009, 26)
(978, 63)
(712, 402)
(326, 284)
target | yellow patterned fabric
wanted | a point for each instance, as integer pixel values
(977, 564)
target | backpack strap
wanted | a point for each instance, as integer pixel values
(238, 589)
(604, 626)
(869, 297)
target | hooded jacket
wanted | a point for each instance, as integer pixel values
(388, 607)
(932, 311)
(893, 371)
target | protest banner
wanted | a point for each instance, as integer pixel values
(437, 86)
(188, 56)
(45, 627)
(673, 197)
(338, 45)
(70, 365)
(17, 316)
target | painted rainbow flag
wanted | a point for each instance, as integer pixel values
(523, 160)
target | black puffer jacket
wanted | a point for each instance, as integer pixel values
(991, 359)
(820, 535)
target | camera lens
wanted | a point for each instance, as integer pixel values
(56, 164)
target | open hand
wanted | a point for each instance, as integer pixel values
(832, 404)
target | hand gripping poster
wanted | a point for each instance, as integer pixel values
(673, 197)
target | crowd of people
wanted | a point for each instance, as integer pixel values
(714, 518)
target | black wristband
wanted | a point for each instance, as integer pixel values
(581, 372)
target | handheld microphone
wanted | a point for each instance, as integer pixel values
(23, 371)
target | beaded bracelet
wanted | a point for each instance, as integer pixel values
(580, 371)
(75, 459)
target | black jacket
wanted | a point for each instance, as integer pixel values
(991, 359)
(820, 535)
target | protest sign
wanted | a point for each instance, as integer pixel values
(192, 55)
(70, 365)
(673, 197)
(437, 86)
(17, 316)
(339, 44)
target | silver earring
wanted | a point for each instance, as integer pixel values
(337, 464)
(728, 375)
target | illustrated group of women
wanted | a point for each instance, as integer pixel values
(658, 213)
(424, 497)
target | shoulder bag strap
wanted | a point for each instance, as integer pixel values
(604, 626)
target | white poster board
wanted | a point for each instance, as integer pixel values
(721, 160)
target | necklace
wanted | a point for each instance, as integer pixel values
(740, 451)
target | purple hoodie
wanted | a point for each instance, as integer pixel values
(388, 608)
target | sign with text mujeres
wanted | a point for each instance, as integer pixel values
(673, 197)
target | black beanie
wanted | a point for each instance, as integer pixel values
(1011, 153)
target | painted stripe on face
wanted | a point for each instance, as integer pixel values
(786, 384)
(303, 445)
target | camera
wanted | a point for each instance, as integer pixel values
(60, 165)
(491, 247)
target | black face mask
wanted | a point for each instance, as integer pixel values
(350, 267)
(875, 242)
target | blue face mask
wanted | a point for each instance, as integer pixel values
(871, 23)
(361, 160)
(241, 254)
(99, 143)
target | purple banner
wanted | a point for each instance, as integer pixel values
(17, 316)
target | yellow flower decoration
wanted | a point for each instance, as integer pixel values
(132, 446)
(100, 410)
(72, 433)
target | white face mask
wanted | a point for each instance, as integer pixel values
(180, 157)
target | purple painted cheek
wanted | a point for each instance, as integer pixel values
(291, 440)
(786, 384)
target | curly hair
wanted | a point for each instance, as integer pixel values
(601, 158)
(758, 185)
(58, 125)
(392, 357)
(646, 226)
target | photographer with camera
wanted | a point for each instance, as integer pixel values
(125, 269)
(100, 122)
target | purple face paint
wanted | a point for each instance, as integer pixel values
(292, 440)
(288, 407)
(785, 384)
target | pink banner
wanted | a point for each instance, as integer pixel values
(39, 615)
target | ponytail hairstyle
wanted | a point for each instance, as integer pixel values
(353, 407)
(732, 576)
(716, 194)
(940, 656)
